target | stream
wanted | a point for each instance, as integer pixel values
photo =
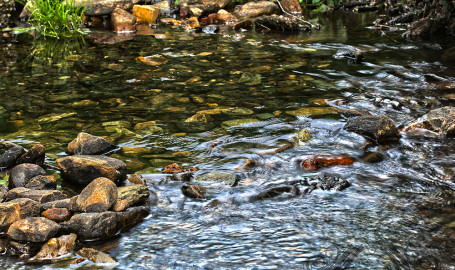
(398, 213)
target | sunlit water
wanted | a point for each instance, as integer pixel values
(398, 213)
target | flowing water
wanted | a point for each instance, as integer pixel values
(398, 213)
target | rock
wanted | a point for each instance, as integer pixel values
(237, 122)
(87, 144)
(282, 23)
(122, 21)
(211, 29)
(3, 191)
(244, 25)
(134, 194)
(144, 125)
(315, 162)
(53, 117)
(146, 13)
(35, 155)
(41, 196)
(120, 205)
(82, 169)
(102, 7)
(176, 168)
(98, 196)
(136, 179)
(314, 111)
(292, 6)
(113, 125)
(199, 117)
(95, 256)
(353, 56)
(250, 78)
(256, 9)
(437, 122)
(331, 182)
(33, 229)
(225, 17)
(54, 249)
(103, 225)
(164, 7)
(22, 174)
(237, 111)
(379, 128)
(11, 155)
(193, 191)
(227, 178)
(152, 60)
(42, 182)
(273, 192)
(65, 203)
(302, 136)
(191, 23)
(57, 214)
(15, 210)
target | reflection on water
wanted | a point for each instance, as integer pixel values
(213, 101)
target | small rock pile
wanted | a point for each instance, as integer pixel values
(33, 211)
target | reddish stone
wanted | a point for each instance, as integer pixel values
(57, 214)
(210, 19)
(315, 162)
(176, 168)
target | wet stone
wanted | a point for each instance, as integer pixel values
(98, 196)
(42, 182)
(15, 210)
(33, 229)
(134, 194)
(65, 203)
(194, 191)
(379, 128)
(41, 196)
(23, 173)
(35, 155)
(437, 122)
(87, 144)
(83, 169)
(12, 153)
(57, 214)
(54, 249)
(255, 9)
(95, 256)
(315, 162)
(228, 178)
(237, 122)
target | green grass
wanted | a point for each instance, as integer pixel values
(54, 18)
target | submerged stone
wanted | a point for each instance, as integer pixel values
(194, 191)
(55, 248)
(314, 111)
(379, 128)
(228, 178)
(315, 162)
(87, 144)
(237, 122)
(95, 256)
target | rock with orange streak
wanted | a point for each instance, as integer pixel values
(146, 14)
(315, 162)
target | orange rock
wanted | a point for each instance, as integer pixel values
(57, 214)
(146, 13)
(315, 162)
(122, 21)
(152, 60)
(176, 168)
(191, 23)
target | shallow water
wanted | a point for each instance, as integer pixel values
(398, 213)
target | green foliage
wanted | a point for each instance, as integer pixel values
(4, 180)
(54, 18)
(319, 5)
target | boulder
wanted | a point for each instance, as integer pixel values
(54, 249)
(103, 225)
(282, 23)
(65, 203)
(315, 162)
(95, 256)
(123, 21)
(228, 178)
(436, 123)
(42, 182)
(12, 153)
(15, 210)
(87, 144)
(102, 7)
(98, 196)
(35, 155)
(21, 174)
(226, 17)
(194, 191)
(379, 128)
(33, 229)
(291, 6)
(146, 14)
(256, 9)
(41, 196)
(134, 194)
(83, 169)
(57, 214)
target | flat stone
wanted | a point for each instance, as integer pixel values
(95, 256)
(65, 203)
(54, 249)
(83, 169)
(87, 144)
(255, 9)
(42, 182)
(41, 196)
(237, 122)
(57, 214)
(15, 210)
(98, 196)
(437, 122)
(229, 178)
(134, 194)
(314, 111)
(33, 229)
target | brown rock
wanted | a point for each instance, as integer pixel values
(136, 179)
(123, 21)
(225, 17)
(194, 191)
(23, 173)
(315, 162)
(65, 203)
(95, 256)
(42, 182)
(87, 144)
(120, 205)
(83, 169)
(134, 194)
(12, 153)
(437, 122)
(256, 9)
(103, 7)
(15, 210)
(291, 6)
(35, 155)
(98, 196)
(379, 128)
(41, 196)
(33, 229)
(57, 214)
(243, 25)
(55, 248)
